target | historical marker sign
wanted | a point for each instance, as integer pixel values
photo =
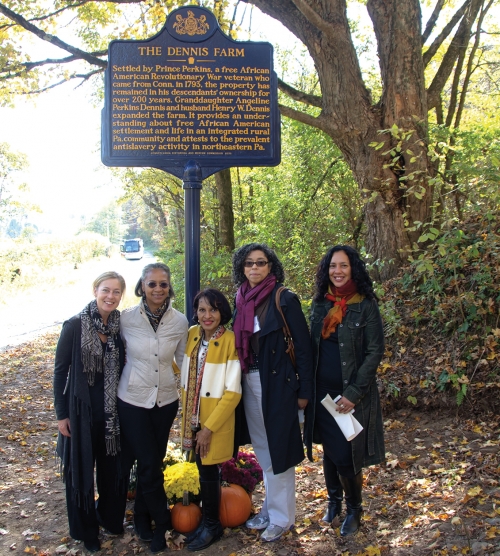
(190, 93)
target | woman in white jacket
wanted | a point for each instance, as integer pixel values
(154, 333)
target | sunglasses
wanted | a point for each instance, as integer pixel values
(162, 285)
(260, 264)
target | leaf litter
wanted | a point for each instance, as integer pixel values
(438, 493)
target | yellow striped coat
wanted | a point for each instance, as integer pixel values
(220, 392)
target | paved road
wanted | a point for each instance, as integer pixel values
(43, 309)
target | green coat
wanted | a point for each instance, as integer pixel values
(361, 346)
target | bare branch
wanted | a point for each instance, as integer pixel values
(313, 18)
(294, 94)
(297, 115)
(458, 44)
(432, 20)
(51, 38)
(438, 41)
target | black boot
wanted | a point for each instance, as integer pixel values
(334, 489)
(193, 534)
(212, 529)
(352, 488)
(142, 519)
(159, 510)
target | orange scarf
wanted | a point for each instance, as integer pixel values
(341, 297)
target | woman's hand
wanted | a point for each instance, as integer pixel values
(64, 427)
(344, 405)
(203, 439)
(302, 403)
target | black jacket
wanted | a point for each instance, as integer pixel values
(282, 384)
(361, 346)
(72, 399)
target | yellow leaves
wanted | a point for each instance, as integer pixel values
(474, 491)
(492, 532)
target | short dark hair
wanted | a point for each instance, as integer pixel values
(240, 255)
(217, 300)
(139, 292)
(360, 275)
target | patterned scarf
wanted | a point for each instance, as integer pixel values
(94, 361)
(247, 300)
(342, 297)
(155, 316)
(196, 368)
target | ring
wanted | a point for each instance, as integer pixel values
(342, 405)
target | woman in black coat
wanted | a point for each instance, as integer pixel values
(348, 345)
(273, 390)
(88, 363)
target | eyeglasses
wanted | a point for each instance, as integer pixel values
(162, 285)
(260, 264)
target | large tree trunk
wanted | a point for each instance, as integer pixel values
(394, 178)
(226, 217)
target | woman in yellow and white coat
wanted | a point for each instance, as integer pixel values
(211, 390)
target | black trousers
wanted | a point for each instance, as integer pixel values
(335, 445)
(146, 432)
(109, 510)
(207, 472)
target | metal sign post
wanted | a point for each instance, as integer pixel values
(190, 101)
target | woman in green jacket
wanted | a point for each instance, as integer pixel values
(348, 345)
(211, 390)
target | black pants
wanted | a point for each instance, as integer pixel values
(109, 510)
(335, 445)
(207, 472)
(146, 432)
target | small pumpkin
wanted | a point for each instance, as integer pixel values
(235, 506)
(185, 518)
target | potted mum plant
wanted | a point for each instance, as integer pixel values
(182, 487)
(244, 470)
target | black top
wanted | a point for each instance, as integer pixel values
(329, 373)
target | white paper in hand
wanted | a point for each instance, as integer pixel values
(349, 426)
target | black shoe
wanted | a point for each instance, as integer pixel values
(352, 488)
(334, 490)
(144, 532)
(212, 529)
(193, 534)
(93, 545)
(158, 542)
(206, 538)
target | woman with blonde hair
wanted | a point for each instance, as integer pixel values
(89, 359)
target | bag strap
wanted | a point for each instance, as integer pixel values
(286, 330)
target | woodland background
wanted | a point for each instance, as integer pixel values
(390, 142)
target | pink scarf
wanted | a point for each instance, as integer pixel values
(247, 300)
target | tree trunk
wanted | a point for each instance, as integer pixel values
(394, 178)
(226, 220)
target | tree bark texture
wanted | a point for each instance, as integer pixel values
(226, 214)
(387, 180)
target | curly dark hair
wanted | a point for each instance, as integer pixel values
(360, 275)
(139, 292)
(217, 300)
(240, 255)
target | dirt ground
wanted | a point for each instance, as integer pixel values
(438, 493)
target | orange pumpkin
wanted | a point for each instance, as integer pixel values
(235, 506)
(185, 518)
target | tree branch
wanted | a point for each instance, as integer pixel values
(458, 44)
(313, 18)
(294, 94)
(438, 41)
(314, 121)
(51, 38)
(432, 20)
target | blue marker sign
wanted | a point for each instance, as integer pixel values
(190, 93)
